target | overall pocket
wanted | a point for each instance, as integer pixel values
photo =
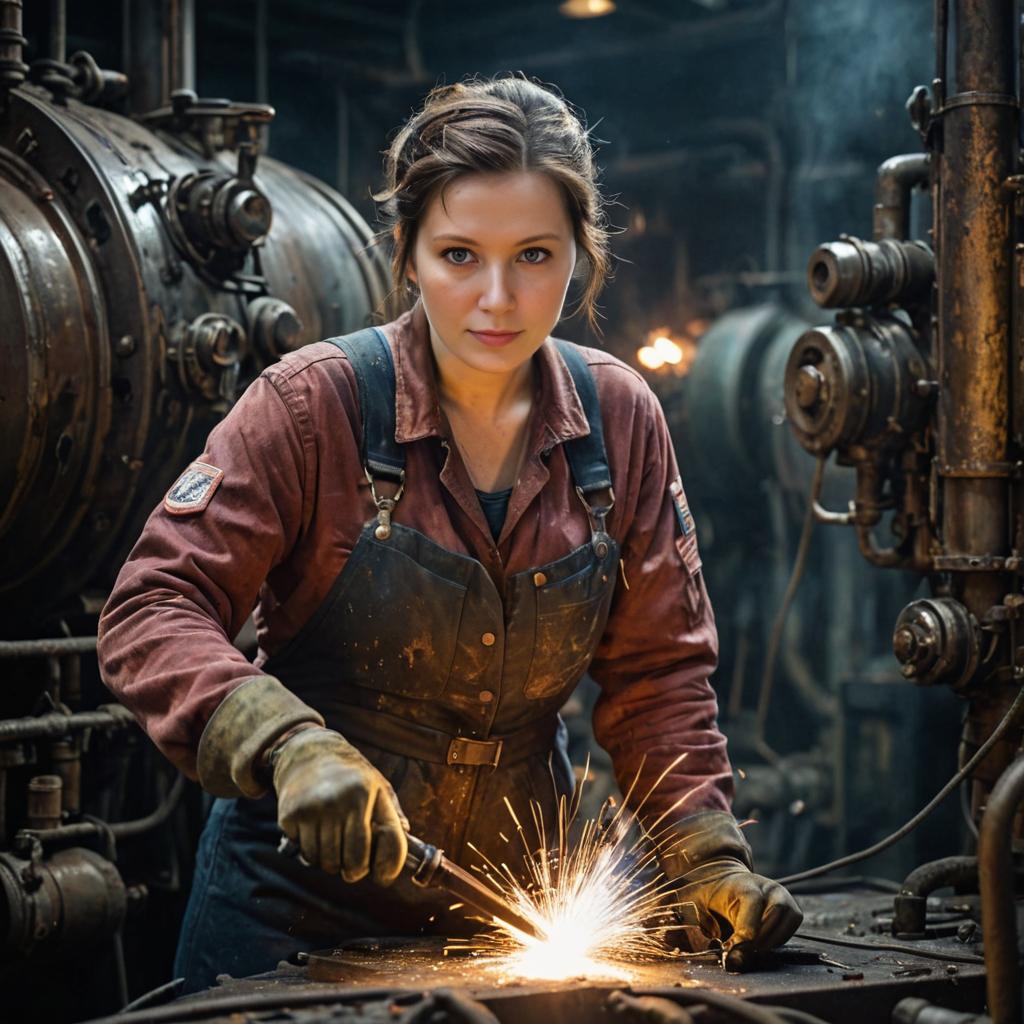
(571, 616)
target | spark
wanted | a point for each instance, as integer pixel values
(592, 891)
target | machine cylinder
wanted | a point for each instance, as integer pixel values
(852, 272)
(63, 902)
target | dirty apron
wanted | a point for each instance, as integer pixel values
(448, 686)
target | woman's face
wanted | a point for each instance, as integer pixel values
(493, 257)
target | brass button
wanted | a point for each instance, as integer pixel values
(539, 579)
(488, 639)
(486, 696)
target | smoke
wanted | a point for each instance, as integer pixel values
(849, 68)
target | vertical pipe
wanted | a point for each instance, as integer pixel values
(58, 30)
(342, 134)
(44, 801)
(941, 51)
(263, 63)
(998, 906)
(12, 47)
(159, 50)
(973, 270)
(182, 23)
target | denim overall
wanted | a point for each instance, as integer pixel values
(448, 686)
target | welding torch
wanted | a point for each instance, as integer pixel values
(432, 869)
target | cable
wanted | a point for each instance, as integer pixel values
(128, 829)
(894, 947)
(883, 844)
(775, 639)
(885, 885)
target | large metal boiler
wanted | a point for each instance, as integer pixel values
(150, 267)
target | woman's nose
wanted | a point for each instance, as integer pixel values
(498, 295)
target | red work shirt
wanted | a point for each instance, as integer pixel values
(283, 504)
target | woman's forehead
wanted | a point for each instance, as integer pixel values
(507, 208)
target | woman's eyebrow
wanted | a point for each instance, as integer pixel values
(470, 241)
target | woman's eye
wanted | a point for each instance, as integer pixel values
(535, 255)
(458, 256)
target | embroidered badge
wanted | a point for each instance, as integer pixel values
(686, 544)
(193, 490)
(683, 514)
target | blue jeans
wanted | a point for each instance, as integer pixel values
(251, 907)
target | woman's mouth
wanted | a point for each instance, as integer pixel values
(495, 339)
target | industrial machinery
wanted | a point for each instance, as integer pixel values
(152, 262)
(917, 386)
(150, 267)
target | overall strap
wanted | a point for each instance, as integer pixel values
(587, 457)
(370, 356)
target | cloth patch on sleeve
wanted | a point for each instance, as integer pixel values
(683, 514)
(686, 544)
(193, 490)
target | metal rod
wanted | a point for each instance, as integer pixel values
(58, 30)
(998, 906)
(54, 725)
(47, 648)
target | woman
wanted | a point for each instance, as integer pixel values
(441, 524)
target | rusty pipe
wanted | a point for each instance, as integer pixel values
(998, 906)
(896, 180)
(55, 725)
(47, 647)
(973, 277)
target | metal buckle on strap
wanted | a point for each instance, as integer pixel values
(474, 752)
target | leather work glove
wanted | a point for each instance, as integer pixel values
(342, 811)
(330, 799)
(709, 856)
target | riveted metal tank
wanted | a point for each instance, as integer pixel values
(149, 269)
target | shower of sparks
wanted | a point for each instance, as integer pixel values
(593, 894)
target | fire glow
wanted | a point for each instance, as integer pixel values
(594, 896)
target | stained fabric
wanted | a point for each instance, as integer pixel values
(291, 508)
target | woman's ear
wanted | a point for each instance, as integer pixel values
(410, 271)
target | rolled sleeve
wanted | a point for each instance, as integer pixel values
(193, 577)
(660, 647)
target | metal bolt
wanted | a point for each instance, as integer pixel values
(904, 644)
(125, 345)
(488, 639)
(539, 579)
(808, 387)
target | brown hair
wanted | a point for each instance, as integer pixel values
(490, 126)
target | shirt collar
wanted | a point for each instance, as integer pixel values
(559, 412)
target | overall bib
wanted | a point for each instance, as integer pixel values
(446, 685)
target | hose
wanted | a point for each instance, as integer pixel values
(883, 844)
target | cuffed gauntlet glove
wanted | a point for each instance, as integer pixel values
(342, 811)
(711, 859)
